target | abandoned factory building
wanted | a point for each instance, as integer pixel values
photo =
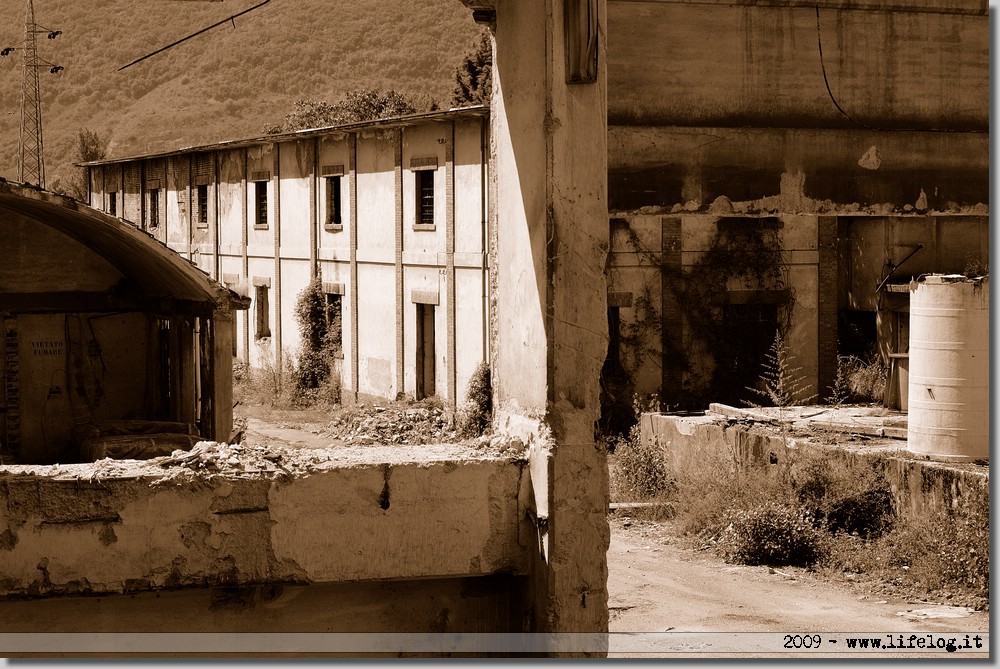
(390, 214)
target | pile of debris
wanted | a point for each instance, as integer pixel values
(404, 425)
(210, 456)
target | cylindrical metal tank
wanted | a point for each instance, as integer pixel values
(949, 392)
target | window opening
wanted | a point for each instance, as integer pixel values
(263, 317)
(203, 205)
(260, 203)
(333, 209)
(425, 197)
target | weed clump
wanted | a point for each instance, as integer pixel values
(639, 470)
(852, 498)
(771, 534)
(960, 543)
(477, 413)
(861, 379)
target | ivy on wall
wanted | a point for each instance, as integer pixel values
(725, 340)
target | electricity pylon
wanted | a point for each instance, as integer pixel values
(30, 161)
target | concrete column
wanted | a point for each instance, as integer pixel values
(400, 302)
(829, 271)
(276, 180)
(549, 150)
(222, 374)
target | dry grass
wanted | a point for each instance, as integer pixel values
(829, 512)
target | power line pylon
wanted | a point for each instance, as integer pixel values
(30, 161)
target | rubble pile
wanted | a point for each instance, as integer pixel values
(212, 456)
(405, 425)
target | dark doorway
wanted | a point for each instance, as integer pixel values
(425, 351)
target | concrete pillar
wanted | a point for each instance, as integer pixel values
(549, 151)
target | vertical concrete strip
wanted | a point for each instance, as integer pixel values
(276, 181)
(222, 372)
(216, 218)
(353, 176)
(671, 320)
(449, 232)
(827, 300)
(244, 241)
(486, 238)
(398, 192)
(314, 206)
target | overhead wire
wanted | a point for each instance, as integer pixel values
(231, 19)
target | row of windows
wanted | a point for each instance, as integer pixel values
(424, 204)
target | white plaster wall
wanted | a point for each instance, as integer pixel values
(376, 197)
(470, 196)
(376, 329)
(425, 142)
(470, 327)
(232, 203)
(177, 234)
(334, 245)
(427, 278)
(262, 351)
(295, 221)
(295, 276)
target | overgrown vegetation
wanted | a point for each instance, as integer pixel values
(354, 107)
(474, 76)
(780, 384)
(859, 379)
(476, 414)
(772, 534)
(638, 470)
(830, 512)
(319, 332)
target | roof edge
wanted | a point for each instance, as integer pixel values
(474, 111)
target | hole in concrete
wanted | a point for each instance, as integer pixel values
(383, 499)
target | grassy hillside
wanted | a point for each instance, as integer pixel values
(226, 83)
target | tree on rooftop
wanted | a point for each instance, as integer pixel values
(89, 146)
(355, 107)
(474, 77)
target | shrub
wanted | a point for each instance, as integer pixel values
(638, 471)
(771, 534)
(311, 375)
(962, 543)
(847, 497)
(477, 412)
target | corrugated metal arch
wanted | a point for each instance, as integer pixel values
(156, 269)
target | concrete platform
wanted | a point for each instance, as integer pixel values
(767, 436)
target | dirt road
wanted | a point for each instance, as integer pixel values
(657, 585)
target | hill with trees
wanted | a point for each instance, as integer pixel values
(229, 82)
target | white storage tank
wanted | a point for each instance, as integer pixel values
(949, 392)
